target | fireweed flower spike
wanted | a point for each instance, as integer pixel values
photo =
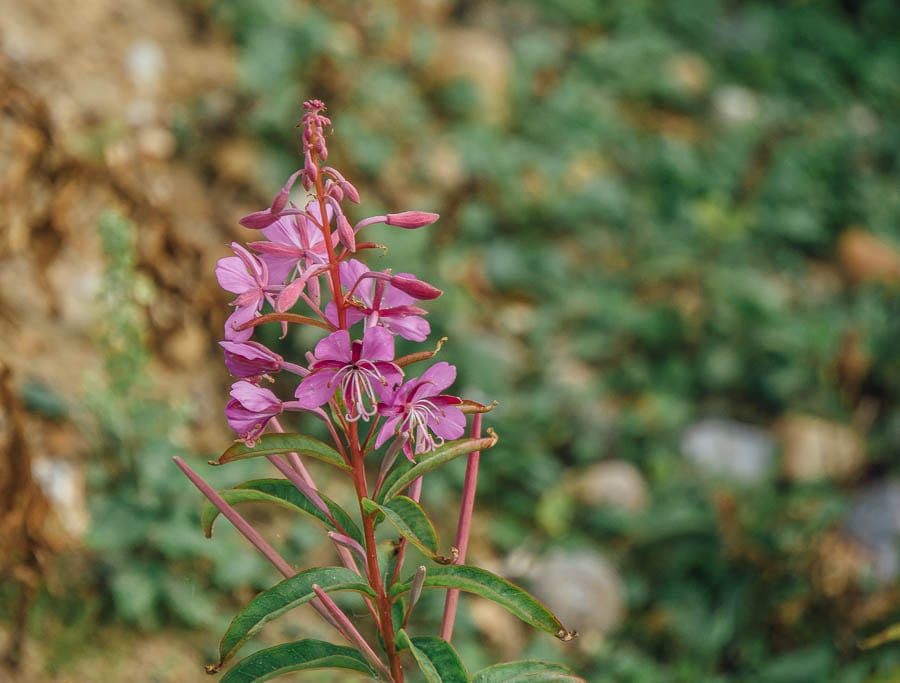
(361, 369)
(422, 414)
(300, 273)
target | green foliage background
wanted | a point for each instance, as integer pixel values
(622, 257)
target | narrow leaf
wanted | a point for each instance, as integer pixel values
(278, 444)
(482, 582)
(283, 597)
(283, 493)
(410, 520)
(402, 477)
(527, 671)
(302, 655)
(436, 658)
(887, 635)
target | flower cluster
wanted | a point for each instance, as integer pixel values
(305, 271)
(308, 249)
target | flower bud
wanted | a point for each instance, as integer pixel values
(411, 219)
(350, 191)
(415, 288)
(258, 220)
(250, 359)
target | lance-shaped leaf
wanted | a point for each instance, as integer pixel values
(436, 658)
(279, 444)
(284, 596)
(302, 655)
(481, 582)
(527, 671)
(403, 476)
(283, 493)
(889, 634)
(408, 517)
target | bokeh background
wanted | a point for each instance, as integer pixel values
(670, 246)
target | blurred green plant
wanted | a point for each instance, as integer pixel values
(151, 569)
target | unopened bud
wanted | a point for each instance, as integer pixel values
(258, 220)
(411, 219)
(350, 191)
(345, 231)
(415, 288)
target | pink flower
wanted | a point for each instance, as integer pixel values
(250, 359)
(362, 370)
(292, 239)
(250, 409)
(377, 301)
(421, 414)
(246, 276)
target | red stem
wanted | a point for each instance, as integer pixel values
(463, 529)
(357, 462)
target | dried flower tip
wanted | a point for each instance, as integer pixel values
(418, 582)
(411, 219)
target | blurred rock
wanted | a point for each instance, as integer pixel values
(729, 449)
(63, 482)
(500, 628)
(815, 449)
(874, 520)
(481, 57)
(582, 588)
(613, 483)
(187, 346)
(736, 105)
(840, 563)
(146, 64)
(862, 120)
(866, 258)
(444, 165)
(690, 72)
(156, 142)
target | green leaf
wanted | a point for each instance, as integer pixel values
(302, 655)
(401, 477)
(410, 520)
(889, 634)
(284, 596)
(436, 658)
(279, 444)
(527, 671)
(283, 493)
(482, 582)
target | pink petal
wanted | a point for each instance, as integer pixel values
(451, 425)
(336, 346)
(438, 377)
(388, 429)
(378, 344)
(232, 275)
(412, 328)
(240, 316)
(316, 389)
(255, 398)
